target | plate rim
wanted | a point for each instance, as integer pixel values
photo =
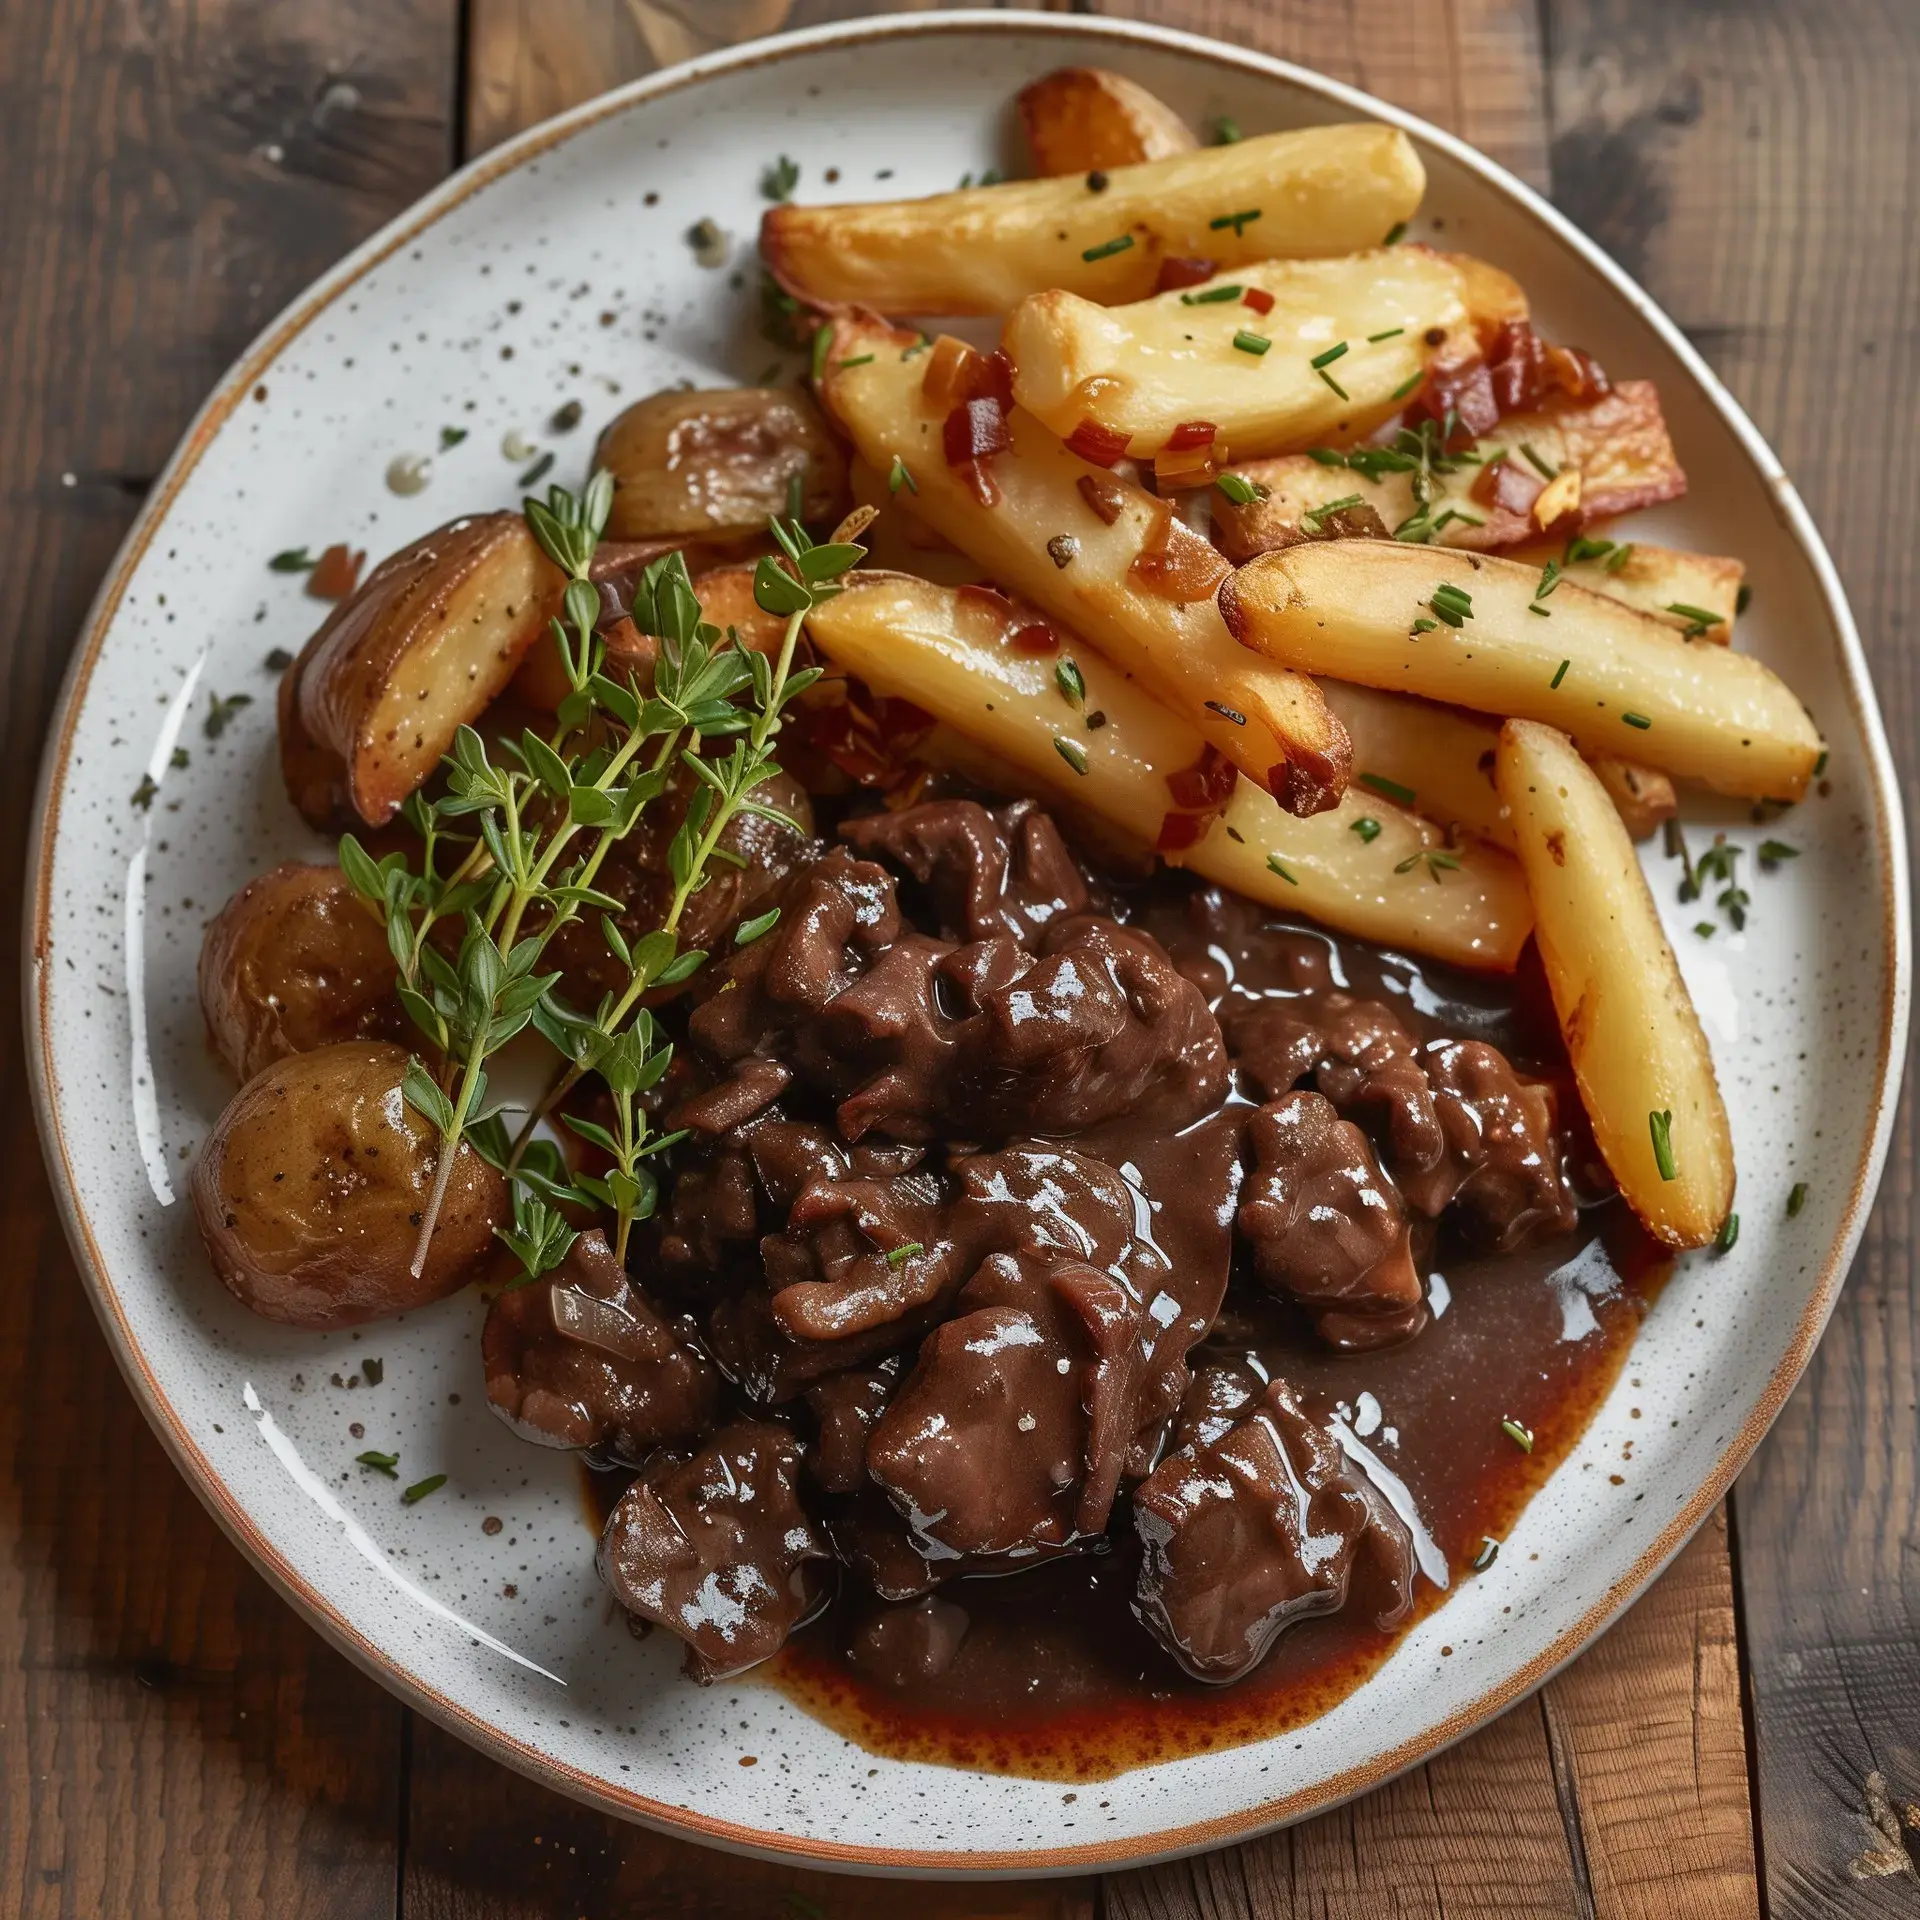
(390, 1672)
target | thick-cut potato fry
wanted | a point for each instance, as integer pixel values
(1080, 118)
(1320, 190)
(953, 653)
(1656, 580)
(716, 464)
(1615, 679)
(1617, 444)
(1188, 355)
(1631, 1031)
(1045, 540)
(1642, 796)
(431, 636)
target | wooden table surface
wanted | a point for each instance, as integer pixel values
(174, 1741)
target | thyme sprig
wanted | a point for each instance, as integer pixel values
(534, 819)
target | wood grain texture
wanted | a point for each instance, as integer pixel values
(1759, 167)
(173, 1741)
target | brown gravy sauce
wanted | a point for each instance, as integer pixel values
(1054, 1679)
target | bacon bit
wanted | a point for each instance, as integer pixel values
(1178, 831)
(1036, 637)
(1105, 495)
(1577, 374)
(975, 429)
(1184, 270)
(1466, 388)
(1258, 298)
(1516, 362)
(993, 380)
(336, 573)
(1507, 484)
(1191, 433)
(1175, 564)
(1207, 785)
(1189, 467)
(1559, 498)
(1100, 446)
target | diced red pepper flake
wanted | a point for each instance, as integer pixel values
(1184, 270)
(1103, 446)
(1258, 298)
(992, 379)
(1192, 433)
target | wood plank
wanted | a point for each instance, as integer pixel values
(172, 1740)
(1757, 167)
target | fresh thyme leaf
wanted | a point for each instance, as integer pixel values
(1772, 852)
(1725, 1240)
(180, 757)
(779, 180)
(1797, 1198)
(1540, 466)
(294, 560)
(1071, 682)
(1108, 248)
(1072, 752)
(1226, 130)
(900, 477)
(1317, 517)
(1239, 489)
(1522, 1437)
(220, 713)
(1367, 827)
(1395, 234)
(900, 1255)
(1274, 866)
(450, 437)
(749, 931)
(1387, 789)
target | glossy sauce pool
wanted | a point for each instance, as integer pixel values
(1055, 1679)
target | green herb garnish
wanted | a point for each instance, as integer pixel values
(1660, 1127)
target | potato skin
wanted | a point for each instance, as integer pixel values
(1078, 118)
(717, 463)
(429, 638)
(309, 1192)
(295, 960)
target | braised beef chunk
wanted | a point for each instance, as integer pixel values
(1500, 1146)
(848, 1406)
(1326, 1227)
(717, 1549)
(1248, 1533)
(579, 1358)
(899, 1646)
(985, 873)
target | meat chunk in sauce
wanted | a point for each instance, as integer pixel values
(719, 1550)
(580, 1358)
(1325, 1227)
(1248, 1531)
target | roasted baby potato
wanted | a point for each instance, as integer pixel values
(1113, 751)
(1077, 119)
(1616, 448)
(1246, 353)
(421, 649)
(715, 465)
(1320, 190)
(310, 1188)
(1459, 627)
(1640, 1059)
(295, 960)
(1094, 550)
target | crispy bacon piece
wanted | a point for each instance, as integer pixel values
(1184, 270)
(1102, 446)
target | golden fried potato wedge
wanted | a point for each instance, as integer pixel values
(1642, 796)
(1674, 586)
(1246, 353)
(423, 646)
(1617, 680)
(718, 463)
(1639, 1056)
(1363, 867)
(1319, 190)
(1617, 446)
(1044, 537)
(1077, 119)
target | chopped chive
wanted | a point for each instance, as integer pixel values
(822, 340)
(1729, 1232)
(1334, 384)
(1332, 354)
(1327, 456)
(899, 477)
(1392, 333)
(1579, 548)
(1522, 1437)
(1239, 489)
(1212, 297)
(421, 1488)
(1253, 343)
(536, 473)
(1820, 765)
(1226, 131)
(1660, 1126)
(855, 360)
(1073, 687)
(1239, 222)
(1395, 234)
(1367, 827)
(1108, 248)
(1318, 515)
(1387, 789)
(1797, 1198)
(293, 560)
(1559, 674)
(1534, 606)
(1698, 619)
(1451, 604)
(1638, 720)
(1539, 466)
(1549, 579)
(1072, 752)
(1407, 385)
(904, 1252)
(1619, 557)
(1488, 1554)
(1274, 866)
(1421, 626)
(379, 1462)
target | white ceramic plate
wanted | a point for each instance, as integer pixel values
(549, 272)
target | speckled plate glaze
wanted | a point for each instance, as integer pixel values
(557, 269)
